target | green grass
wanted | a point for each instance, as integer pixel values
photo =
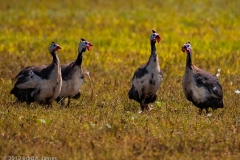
(104, 123)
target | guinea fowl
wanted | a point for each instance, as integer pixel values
(200, 87)
(39, 83)
(72, 76)
(147, 78)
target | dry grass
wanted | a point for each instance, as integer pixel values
(104, 123)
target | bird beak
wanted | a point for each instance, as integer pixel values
(89, 45)
(158, 38)
(59, 47)
(186, 49)
(183, 48)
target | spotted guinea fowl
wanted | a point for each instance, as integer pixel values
(39, 83)
(147, 78)
(200, 87)
(72, 76)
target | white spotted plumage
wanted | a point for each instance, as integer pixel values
(149, 89)
(200, 94)
(200, 87)
(147, 79)
(72, 75)
(40, 83)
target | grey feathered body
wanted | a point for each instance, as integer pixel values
(41, 84)
(146, 80)
(72, 80)
(201, 88)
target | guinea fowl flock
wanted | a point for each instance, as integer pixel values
(55, 82)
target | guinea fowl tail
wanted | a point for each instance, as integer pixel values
(221, 104)
(151, 99)
(130, 93)
(77, 95)
(13, 91)
(23, 95)
(217, 103)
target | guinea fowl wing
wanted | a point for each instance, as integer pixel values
(151, 99)
(37, 70)
(133, 93)
(208, 81)
(140, 72)
(29, 77)
(24, 72)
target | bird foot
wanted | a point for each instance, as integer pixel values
(145, 107)
(48, 105)
(149, 108)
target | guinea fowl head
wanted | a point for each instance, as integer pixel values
(84, 44)
(187, 47)
(154, 37)
(54, 47)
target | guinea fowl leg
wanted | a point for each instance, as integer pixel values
(145, 107)
(207, 111)
(68, 104)
(142, 107)
(62, 102)
(200, 111)
(49, 104)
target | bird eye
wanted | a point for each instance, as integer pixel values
(86, 43)
(54, 45)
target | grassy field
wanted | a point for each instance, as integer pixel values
(104, 123)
